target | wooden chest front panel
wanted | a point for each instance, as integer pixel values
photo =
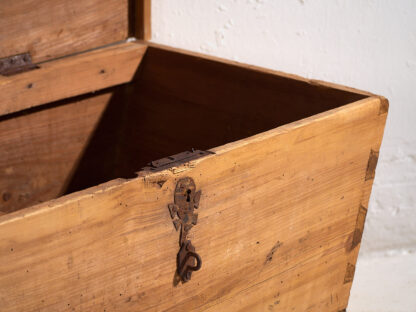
(279, 228)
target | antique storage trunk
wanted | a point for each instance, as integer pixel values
(265, 214)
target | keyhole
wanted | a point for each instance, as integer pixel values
(188, 196)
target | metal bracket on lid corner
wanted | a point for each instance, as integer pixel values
(15, 64)
(175, 160)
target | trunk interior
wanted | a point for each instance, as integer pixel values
(174, 103)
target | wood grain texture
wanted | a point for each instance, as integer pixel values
(71, 76)
(276, 221)
(142, 19)
(53, 28)
(41, 148)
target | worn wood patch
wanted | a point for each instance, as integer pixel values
(275, 247)
(349, 273)
(359, 227)
(384, 105)
(371, 166)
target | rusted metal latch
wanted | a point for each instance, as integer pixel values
(175, 160)
(16, 64)
(186, 200)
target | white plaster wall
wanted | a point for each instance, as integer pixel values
(367, 44)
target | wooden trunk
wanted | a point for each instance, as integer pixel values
(284, 185)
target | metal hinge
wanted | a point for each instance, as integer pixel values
(16, 64)
(175, 160)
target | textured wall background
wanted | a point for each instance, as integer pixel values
(367, 44)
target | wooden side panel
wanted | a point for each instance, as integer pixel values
(39, 150)
(52, 28)
(71, 76)
(276, 223)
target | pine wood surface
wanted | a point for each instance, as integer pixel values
(40, 150)
(277, 221)
(53, 28)
(142, 19)
(70, 76)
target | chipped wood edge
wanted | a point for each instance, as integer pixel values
(384, 105)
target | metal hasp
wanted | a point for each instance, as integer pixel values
(182, 211)
(16, 64)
